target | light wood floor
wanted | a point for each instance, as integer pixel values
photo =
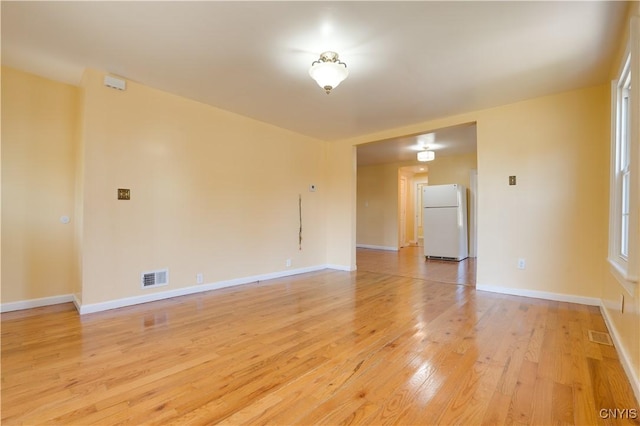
(327, 347)
(410, 262)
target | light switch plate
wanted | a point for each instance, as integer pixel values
(124, 194)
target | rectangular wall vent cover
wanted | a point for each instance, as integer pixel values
(154, 278)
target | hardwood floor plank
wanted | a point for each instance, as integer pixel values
(436, 392)
(562, 404)
(497, 409)
(542, 402)
(521, 406)
(600, 384)
(471, 402)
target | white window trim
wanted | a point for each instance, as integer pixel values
(626, 270)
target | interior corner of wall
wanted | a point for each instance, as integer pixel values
(77, 301)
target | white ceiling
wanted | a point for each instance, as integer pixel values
(409, 61)
(450, 141)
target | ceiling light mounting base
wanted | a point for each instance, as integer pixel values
(328, 57)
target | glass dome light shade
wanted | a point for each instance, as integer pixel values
(328, 75)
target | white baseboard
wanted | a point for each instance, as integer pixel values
(152, 297)
(625, 359)
(368, 246)
(135, 300)
(559, 297)
(341, 267)
(35, 303)
(77, 301)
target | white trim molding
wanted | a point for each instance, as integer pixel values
(77, 300)
(199, 288)
(619, 274)
(558, 297)
(368, 246)
(35, 303)
(341, 268)
(136, 300)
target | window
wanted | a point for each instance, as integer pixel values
(623, 160)
(622, 251)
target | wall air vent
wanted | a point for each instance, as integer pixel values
(115, 83)
(154, 278)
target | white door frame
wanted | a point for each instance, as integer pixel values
(403, 211)
(417, 184)
(473, 213)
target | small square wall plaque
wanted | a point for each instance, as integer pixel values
(124, 194)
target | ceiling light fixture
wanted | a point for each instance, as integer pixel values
(426, 156)
(426, 139)
(328, 71)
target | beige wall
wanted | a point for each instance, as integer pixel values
(211, 192)
(38, 141)
(452, 169)
(377, 211)
(555, 217)
(341, 206)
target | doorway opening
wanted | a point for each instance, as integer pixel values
(390, 180)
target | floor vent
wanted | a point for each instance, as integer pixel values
(600, 337)
(154, 278)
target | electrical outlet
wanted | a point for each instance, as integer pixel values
(522, 263)
(288, 263)
(199, 278)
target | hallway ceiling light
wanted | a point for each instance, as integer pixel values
(328, 71)
(426, 155)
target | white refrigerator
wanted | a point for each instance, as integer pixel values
(444, 224)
